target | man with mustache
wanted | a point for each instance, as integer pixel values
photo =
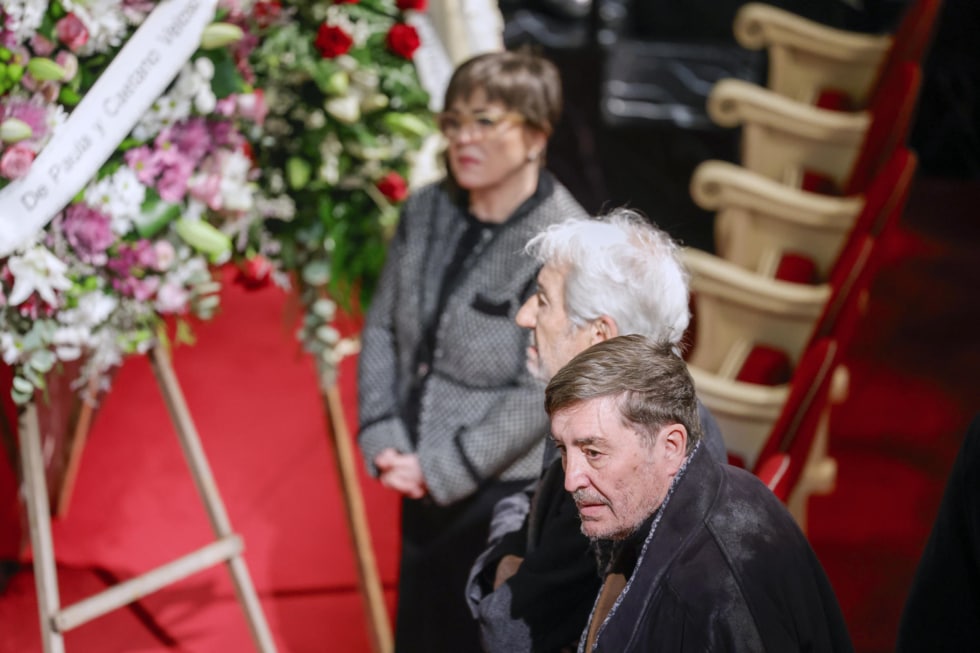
(696, 556)
(533, 588)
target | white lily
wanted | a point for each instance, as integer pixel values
(38, 270)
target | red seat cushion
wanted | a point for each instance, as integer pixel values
(765, 366)
(796, 268)
(815, 182)
(835, 100)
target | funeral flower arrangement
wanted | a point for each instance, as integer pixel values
(135, 244)
(346, 116)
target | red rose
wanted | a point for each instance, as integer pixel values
(71, 31)
(332, 41)
(254, 273)
(393, 186)
(267, 12)
(414, 5)
(403, 40)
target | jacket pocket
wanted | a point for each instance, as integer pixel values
(488, 306)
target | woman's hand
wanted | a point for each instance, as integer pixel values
(401, 472)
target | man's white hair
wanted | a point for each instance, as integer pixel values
(619, 265)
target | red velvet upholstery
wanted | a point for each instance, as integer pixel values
(796, 427)
(891, 115)
(913, 36)
(796, 268)
(909, 44)
(772, 471)
(860, 259)
(765, 366)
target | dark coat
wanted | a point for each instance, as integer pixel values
(724, 567)
(942, 612)
(544, 606)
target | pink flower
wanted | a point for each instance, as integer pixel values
(225, 106)
(89, 232)
(252, 106)
(166, 255)
(144, 164)
(33, 113)
(171, 298)
(72, 32)
(69, 62)
(191, 138)
(172, 184)
(146, 255)
(207, 189)
(41, 46)
(16, 161)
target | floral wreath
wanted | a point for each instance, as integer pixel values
(347, 116)
(285, 140)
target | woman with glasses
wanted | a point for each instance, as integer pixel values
(449, 415)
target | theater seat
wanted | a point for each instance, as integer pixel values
(794, 459)
(832, 68)
(790, 234)
(748, 326)
(783, 139)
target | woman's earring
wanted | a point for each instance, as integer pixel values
(532, 156)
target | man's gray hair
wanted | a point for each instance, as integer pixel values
(619, 265)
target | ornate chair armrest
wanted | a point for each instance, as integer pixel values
(806, 57)
(783, 138)
(720, 185)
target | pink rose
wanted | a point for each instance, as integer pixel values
(89, 232)
(16, 161)
(71, 31)
(41, 46)
(69, 62)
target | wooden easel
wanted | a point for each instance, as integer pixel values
(228, 546)
(369, 581)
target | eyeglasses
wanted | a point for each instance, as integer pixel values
(478, 125)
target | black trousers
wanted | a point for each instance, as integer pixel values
(942, 612)
(439, 545)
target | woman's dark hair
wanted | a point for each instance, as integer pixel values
(522, 81)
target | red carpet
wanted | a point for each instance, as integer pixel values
(252, 394)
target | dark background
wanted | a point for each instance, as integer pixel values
(668, 53)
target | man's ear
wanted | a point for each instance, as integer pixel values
(674, 441)
(603, 328)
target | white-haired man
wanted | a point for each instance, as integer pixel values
(532, 590)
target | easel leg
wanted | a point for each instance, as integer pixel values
(39, 519)
(201, 471)
(380, 628)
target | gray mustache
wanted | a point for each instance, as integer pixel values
(585, 497)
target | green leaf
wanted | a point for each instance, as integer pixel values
(227, 80)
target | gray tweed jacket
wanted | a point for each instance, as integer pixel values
(480, 415)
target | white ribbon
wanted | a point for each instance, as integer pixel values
(137, 76)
